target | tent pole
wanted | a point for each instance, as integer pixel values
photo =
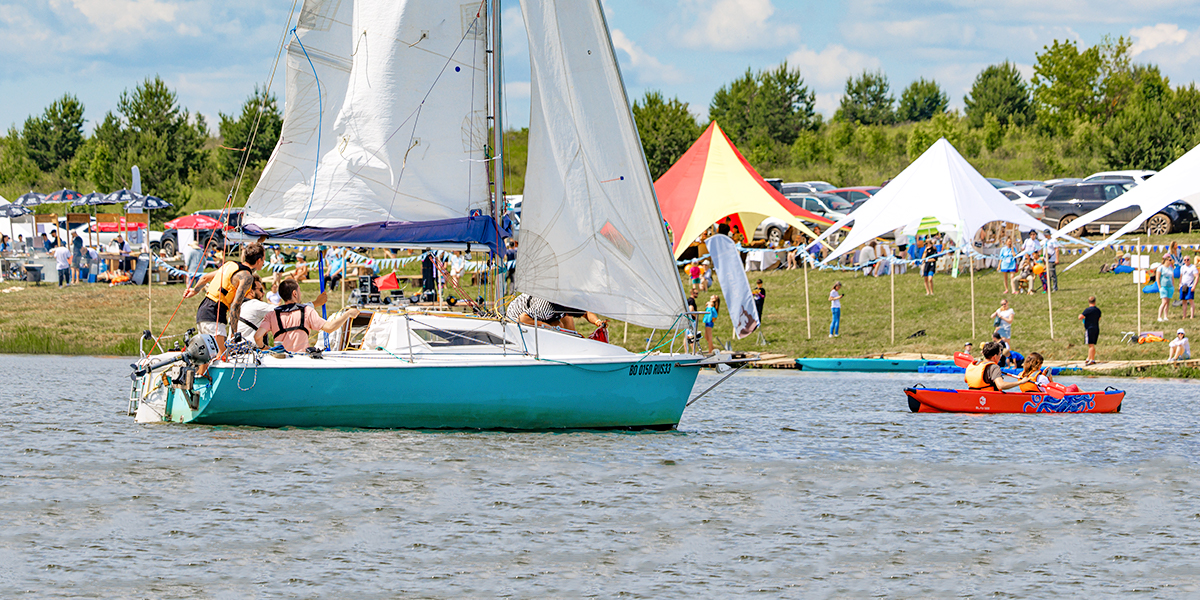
(1050, 302)
(1137, 283)
(807, 314)
(625, 335)
(892, 277)
(972, 297)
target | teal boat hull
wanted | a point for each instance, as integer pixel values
(624, 395)
(868, 365)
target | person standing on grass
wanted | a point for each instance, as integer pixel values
(76, 257)
(1004, 321)
(62, 261)
(1008, 266)
(1166, 287)
(760, 298)
(1188, 274)
(1050, 253)
(835, 306)
(710, 319)
(694, 273)
(1091, 329)
(1031, 244)
(928, 266)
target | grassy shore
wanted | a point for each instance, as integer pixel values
(101, 320)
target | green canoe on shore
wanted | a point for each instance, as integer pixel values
(868, 365)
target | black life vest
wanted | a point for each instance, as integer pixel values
(287, 308)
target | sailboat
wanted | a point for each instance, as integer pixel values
(385, 143)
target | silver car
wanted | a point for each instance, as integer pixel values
(1029, 198)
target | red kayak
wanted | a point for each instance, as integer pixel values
(922, 399)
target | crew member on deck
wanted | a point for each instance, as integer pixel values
(292, 322)
(227, 289)
(531, 310)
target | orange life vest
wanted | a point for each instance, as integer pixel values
(221, 289)
(1030, 386)
(974, 376)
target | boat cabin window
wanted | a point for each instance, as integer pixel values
(437, 337)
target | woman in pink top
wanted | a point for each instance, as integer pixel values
(292, 322)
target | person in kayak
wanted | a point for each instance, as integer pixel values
(1034, 375)
(986, 374)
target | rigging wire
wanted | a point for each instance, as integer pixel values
(320, 117)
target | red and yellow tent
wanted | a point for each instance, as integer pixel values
(712, 182)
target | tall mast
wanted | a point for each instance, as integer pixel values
(498, 202)
(497, 122)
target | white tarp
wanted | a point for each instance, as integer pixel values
(1178, 181)
(592, 236)
(727, 262)
(940, 184)
(398, 110)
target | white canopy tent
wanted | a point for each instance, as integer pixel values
(941, 185)
(1176, 182)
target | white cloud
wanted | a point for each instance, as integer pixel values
(110, 16)
(1151, 37)
(828, 103)
(648, 69)
(830, 67)
(735, 25)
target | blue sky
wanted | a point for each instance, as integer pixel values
(213, 52)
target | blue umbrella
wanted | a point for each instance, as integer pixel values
(122, 196)
(62, 196)
(92, 199)
(12, 211)
(148, 203)
(31, 199)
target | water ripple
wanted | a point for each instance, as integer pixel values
(780, 485)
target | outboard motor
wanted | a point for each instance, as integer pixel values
(201, 350)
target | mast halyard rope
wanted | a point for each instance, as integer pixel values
(320, 116)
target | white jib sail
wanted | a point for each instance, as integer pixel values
(591, 233)
(392, 125)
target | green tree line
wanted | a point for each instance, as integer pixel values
(1084, 109)
(177, 155)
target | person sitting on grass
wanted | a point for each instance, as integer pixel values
(986, 374)
(1181, 349)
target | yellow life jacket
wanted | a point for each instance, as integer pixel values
(221, 289)
(974, 376)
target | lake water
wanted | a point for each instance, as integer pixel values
(779, 485)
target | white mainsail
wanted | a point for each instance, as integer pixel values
(592, 236)
(397, 110)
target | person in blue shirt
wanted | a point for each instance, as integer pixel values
(1008, 265)
(710, 318)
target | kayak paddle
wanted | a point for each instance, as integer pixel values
(962, 359)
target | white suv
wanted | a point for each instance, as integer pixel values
(1139, 176)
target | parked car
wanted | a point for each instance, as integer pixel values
(106, 237)
(1139, 175)
(826, 205)
(1030, 182)
(1068, 202)
(1028, 198)
(856, 195)
(999, 183)
(821, 186)
(1051, 183)
(232, 220)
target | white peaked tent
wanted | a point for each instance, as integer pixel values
(941, 185)
(1176, 182)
